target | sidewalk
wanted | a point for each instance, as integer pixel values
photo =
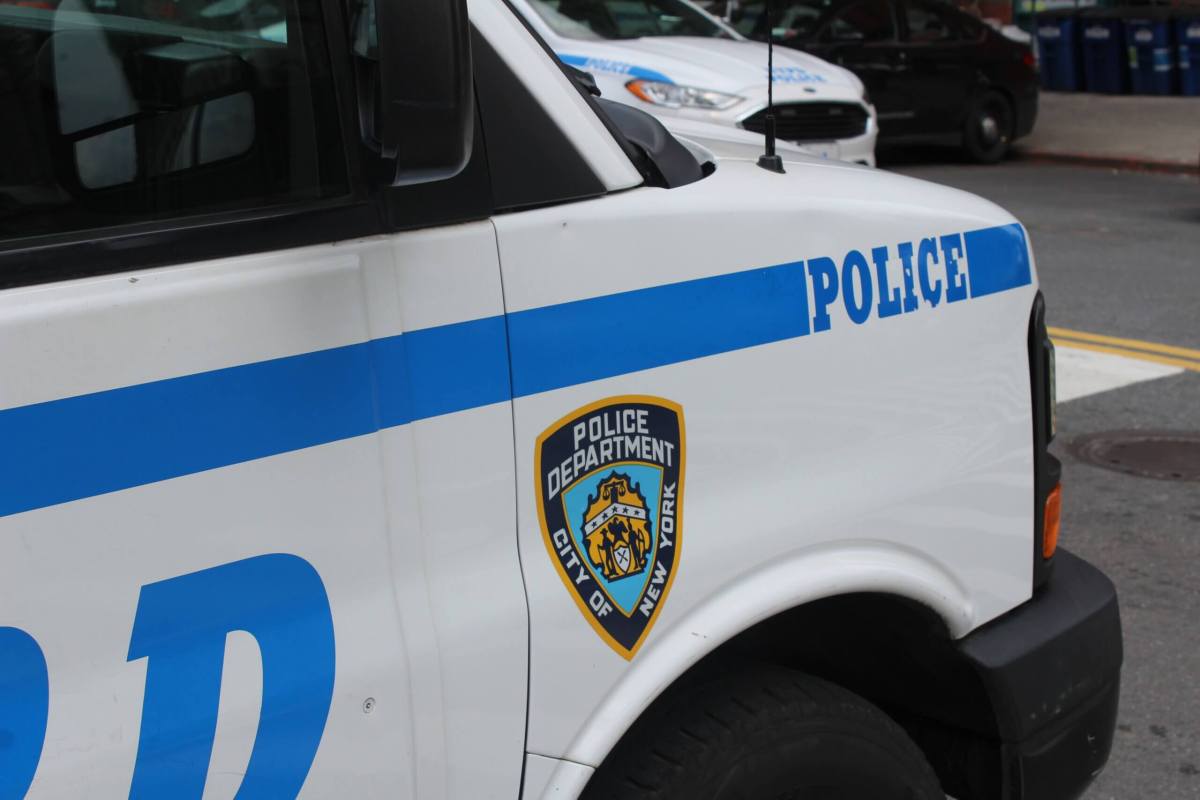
(1160, 133)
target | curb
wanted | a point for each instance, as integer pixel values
(1109, 162)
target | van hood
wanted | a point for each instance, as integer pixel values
(723, 142)
(724, 65)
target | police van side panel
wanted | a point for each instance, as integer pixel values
(888, 453)
(330, 571)
(256, 523)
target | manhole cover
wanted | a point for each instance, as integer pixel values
(1167, 455)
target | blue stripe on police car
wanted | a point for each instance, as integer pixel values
(615, 67)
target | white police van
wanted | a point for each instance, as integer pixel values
(374, 432)
(678, 62)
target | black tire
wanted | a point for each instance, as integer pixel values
(765, 734)
(989, 127)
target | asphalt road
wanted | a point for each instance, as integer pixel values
(1118, 253)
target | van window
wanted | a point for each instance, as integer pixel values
(126, 111)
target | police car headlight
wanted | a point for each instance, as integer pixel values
(674, 96)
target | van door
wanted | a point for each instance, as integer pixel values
(256, 528)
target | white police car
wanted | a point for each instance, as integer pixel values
(674, 59)
(424, 434)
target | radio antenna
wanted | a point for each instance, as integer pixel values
(769, 160)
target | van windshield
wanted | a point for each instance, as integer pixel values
(627, 19)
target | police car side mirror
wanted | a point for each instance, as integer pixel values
(419, 115)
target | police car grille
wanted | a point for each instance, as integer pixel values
(812, 122)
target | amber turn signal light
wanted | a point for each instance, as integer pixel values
(1051, 521)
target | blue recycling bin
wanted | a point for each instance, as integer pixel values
(1187, 35)
(1151, 52)
(1058, 51)
(1103, 51)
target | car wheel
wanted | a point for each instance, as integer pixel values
(989, 128)
(765, 734)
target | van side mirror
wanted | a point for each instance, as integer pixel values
(416, 101)
(585, 79)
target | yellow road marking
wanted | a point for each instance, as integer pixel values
(1170, 355)
(1130, 344)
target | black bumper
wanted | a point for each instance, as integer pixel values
(1051, 669)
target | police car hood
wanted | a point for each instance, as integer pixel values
(724, 65)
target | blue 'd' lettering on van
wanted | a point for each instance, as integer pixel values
(181, 626)
(615, 67)
(24, 704)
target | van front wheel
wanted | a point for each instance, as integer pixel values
(765, 734)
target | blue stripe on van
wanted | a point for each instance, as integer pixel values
(77, 447)
(83, 446)
(600, 337)
(435, 371)
(997, 259)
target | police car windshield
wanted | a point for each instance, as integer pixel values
(794, 18)
(626, 19)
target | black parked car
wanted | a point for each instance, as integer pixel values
(933, 72)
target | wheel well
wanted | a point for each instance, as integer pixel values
(982, 89)
(1009, 98)
(894, 652)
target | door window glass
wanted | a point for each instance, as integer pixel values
(865, 21)
(122, 111)
(929, 24)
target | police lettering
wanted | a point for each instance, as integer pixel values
(654, 590)
(607, 437)
(576, 570)
(903, 278)
(666, 527)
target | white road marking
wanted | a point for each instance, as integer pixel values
(1083, 372)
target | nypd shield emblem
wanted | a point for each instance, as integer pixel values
(610, 498)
